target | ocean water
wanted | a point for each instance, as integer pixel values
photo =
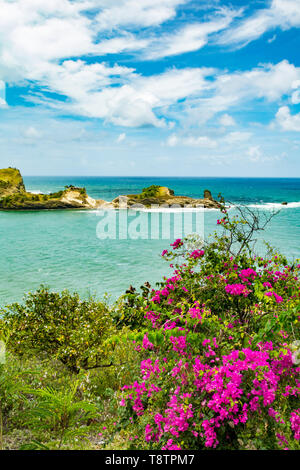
(61, 249)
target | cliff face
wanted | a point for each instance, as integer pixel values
(77, 197)
(11, 182)
(13, 195)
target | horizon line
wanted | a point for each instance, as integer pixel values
(160, 177)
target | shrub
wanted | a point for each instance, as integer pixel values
(62, 326)
(151, 191)
(217, 366)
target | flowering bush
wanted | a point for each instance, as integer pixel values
(216, 365)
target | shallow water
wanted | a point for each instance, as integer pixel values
(61, 248)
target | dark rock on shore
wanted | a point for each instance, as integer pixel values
(207, 195)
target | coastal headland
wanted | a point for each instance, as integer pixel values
(13, 196)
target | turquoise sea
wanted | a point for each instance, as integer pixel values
(61, 249)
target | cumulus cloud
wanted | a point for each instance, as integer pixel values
(47, 44)
(254, 153)
(121, 96)
(37, 39)
(269, 82)
(295, 98)
(132, 103)
(226, 120)
(236, 137)
(288, 121)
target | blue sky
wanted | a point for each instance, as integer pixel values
(150, 87)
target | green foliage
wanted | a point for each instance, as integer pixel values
(26, 200)
(61, 325)
(10, 181)
(11, 386)
(129, 310)
(151, 191)
(62, 413)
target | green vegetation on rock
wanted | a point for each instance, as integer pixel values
(156, 191)
(13, 195)
(11, 182)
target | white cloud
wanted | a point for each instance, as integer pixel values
(35, 35)
(136, 99)
(191, 141)
(173, 140)
(190, 38)
(201, 141)
(121, 137)
(3, 103)
(269, 82)
(31, 133)
(295, 98)
(37, 39)
(254, 153)
(227, 121)
(257, 155)
(131, 104)
(237, 137)
(288, 121)
(116, 13)
(284, 14)
(272, 39)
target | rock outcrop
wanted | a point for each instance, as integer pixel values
(11, 182)
(13, 196)
(207, 195)
(160, 196)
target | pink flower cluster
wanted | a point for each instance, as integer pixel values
(295, 423)
(247, 275)
(237, 289)
(277, 297)
(197, 254)
(200, 386)
(224, 392)
(178, 242)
